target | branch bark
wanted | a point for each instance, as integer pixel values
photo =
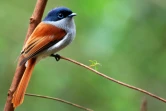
(114, 80)
(60, 100)
(34, 21)
(144, 105)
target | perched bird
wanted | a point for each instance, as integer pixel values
(55, 32)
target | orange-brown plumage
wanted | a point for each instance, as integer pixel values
(18, 95)
(47, 39)
(43, 37)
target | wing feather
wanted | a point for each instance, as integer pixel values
(43, 37)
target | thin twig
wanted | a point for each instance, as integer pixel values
(34, 20)
(61, 100)
(144, 105)
(114, 80)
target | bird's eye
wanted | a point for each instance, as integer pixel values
(60, 15)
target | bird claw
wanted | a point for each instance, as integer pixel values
(56, 56)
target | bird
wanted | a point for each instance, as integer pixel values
(55, 32)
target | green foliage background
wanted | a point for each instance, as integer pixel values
(128, 37)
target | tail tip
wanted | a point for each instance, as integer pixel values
(16, 102)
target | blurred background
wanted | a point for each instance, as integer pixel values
(127, 37)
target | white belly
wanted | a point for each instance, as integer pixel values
(61, 44)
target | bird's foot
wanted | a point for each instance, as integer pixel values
(56, 56)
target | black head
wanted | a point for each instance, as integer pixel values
(58, 14)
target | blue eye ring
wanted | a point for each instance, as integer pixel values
(60, 15)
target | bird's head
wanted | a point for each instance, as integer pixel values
(59, 13)
(61, 17)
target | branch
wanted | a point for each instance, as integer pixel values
(114, 80)
(144, 105)
(61, 100)
(34, 21)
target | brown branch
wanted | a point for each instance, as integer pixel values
(144, 105)
(34, 21)
(114, 80)
(61, 100)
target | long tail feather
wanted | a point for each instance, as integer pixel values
(18, 95)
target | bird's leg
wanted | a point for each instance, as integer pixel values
(56, 56)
